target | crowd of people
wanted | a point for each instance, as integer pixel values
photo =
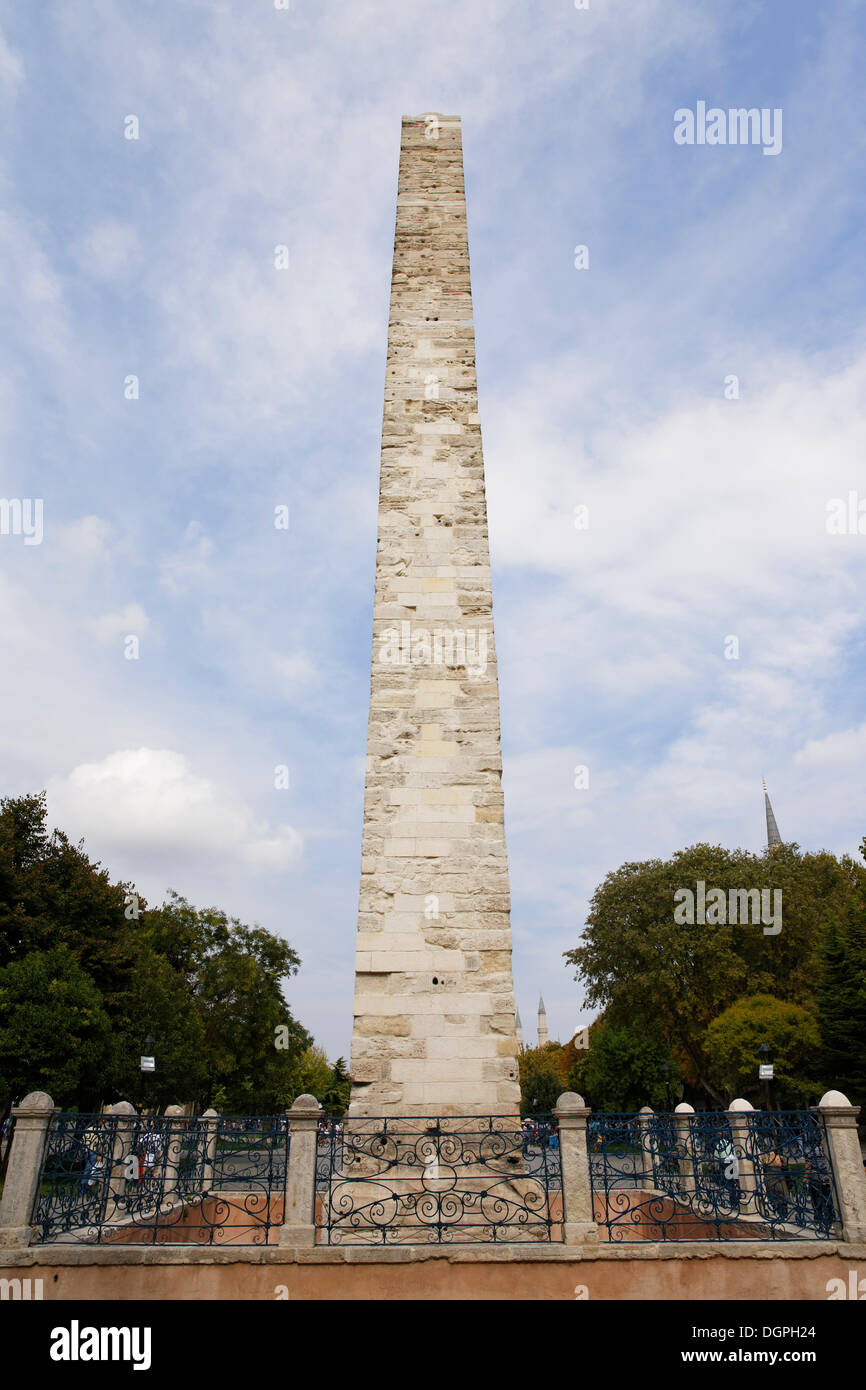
(540, 1134)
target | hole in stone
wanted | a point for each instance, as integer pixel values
(435, 981)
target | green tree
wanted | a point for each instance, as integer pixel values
(541, 1078)
(205, 985)
(55, 1034)
(648, 971)
(252, 1044)
(623, 1070)
(158, 1003)
(841, 1000)
(313, 1075)
(733, 1039)
(51, 894)
(339, 1088)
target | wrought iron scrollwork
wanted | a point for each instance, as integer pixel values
(137, 1179)
(750, 1175)
(452, 1180)
(75, 1179)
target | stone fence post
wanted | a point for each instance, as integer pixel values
(840, 1119)
(32, 1118)
(210, 1120)
(748, 1178)
(578, 1219)
(685, 1148)
(299, 1212)
(174, 1140)
(121, 1151)
(646, 1138)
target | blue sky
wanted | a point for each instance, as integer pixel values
(258, 387)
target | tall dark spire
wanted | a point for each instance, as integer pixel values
(773, 836)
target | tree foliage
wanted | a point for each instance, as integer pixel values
(542, 1078)
(339, 1088)
(649, 972)
(791, 1031)
(233, 974)
(623, 1070)
(793, 1034)
(841, 999)
(314, 1072)
(55, 1034)
(85, 976)
(52, 895)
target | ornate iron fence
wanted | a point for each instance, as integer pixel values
(134, 1179)
(411, 1180)
(753, 1175)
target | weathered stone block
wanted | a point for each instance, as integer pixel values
(434, 940)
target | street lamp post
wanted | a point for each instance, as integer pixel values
(765, 1071)
(148, 1061)
(666, 1068)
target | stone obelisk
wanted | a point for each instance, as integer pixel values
(434, 1030)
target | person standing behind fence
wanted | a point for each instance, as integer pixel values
(94, 1162)
(151, 1147)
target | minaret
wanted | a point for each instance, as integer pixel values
(519, 1027)
(542, 1023)
(435, 1025)
(773, 837)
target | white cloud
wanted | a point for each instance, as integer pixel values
(190, 566)
(293, 672)
(709, 497)
(32, 291)
(841, 752)
(109, 251)
(83, 541)
(112, 627)
(149, 799)
(276, 852)
(11, 69)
